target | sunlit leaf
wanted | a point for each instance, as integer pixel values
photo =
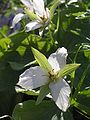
(86, 92)
(21, 50)
(80, 15)
(86, 49)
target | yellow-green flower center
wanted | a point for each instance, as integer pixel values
(53, 75)
(44, 19)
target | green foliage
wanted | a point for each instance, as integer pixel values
(46, 110)
(29, 111)
(70, 27)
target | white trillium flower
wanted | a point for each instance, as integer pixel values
(42, 14)
(37, 76)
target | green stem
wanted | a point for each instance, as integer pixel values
(51, 37)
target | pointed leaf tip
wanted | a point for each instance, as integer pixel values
(41, 59)
(68, 69)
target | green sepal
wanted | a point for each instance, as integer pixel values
(55, 3)
(68, 69)
(41, 59)
(30, 14)
(44, 90)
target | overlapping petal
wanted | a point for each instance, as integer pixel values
(28, 4)
(33, 77)
(17, 18)
(58, 59)
(60, 91)
(47, 13)
(39, 7)
(33, 25)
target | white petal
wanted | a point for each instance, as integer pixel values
(39, 7)
(16, 19)
(58, 59)
(33, 77)
(60, 93)
(28, 3)
(47, 13)
(32, 26)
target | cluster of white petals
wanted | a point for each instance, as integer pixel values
(37, 76)
(37, 7)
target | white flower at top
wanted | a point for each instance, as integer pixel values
(38, 10)
(37, 76)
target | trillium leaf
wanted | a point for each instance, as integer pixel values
(30, 14)
(18, 66)
(41, 59)
(82, 107)
(68, 69)
(44, 90)
(29, 111)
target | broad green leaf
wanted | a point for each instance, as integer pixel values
(20, 66)
(87, 53)
(30, 14)
(44, 90)
(41, 59)
(66, 115)
(4, 44)
(53, 7)
(81, 80)
(29, 111)
(83, 108)
(44, 111)
(68, 69)
(16, 66)
(21, 50)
